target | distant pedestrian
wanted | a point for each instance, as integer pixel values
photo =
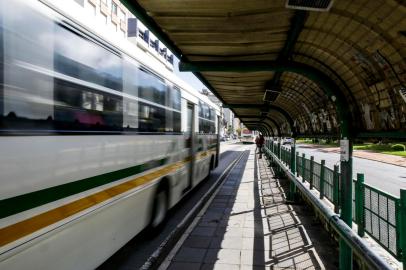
(259, 141)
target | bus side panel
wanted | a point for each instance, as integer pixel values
(85, 243)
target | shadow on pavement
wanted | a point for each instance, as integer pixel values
(136, 252)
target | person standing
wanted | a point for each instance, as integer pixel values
(259, 141)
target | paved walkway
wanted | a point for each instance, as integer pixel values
(249, 225)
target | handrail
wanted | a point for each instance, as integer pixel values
(358, 246)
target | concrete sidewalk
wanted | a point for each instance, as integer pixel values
(249, 225)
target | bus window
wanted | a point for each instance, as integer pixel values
(151, 118)
(151, 87)
(79, 57)
(81, 108)
(176, 98)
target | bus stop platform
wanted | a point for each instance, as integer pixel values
(249, 224)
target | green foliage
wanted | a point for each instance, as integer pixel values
(398, 147)
(396, 153)
(383, 148)
(320, 142)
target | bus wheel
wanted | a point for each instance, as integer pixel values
(160, 208)
(211, 163)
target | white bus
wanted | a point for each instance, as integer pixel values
(247, 136)
(97, 141)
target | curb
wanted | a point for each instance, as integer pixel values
(403, 166)
(170, 241)
(389, 163)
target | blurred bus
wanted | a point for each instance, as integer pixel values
(247, 136)
(98, 141)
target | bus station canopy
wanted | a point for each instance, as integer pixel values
(293, 66)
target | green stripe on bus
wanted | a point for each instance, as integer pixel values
(34, 199)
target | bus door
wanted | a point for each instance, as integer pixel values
(216, 163)
(190, 140)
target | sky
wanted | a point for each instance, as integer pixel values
(188, 77)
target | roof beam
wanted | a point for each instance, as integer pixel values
(312, 73)
(263, 124)
(142, 15)
(297, 25)
(266, 107)
(261, 117)
(232, 66)
(249, 116)
(135, 8)
(243, 106)
(278, 129)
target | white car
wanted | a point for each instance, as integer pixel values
(287, 141)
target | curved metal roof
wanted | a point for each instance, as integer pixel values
(359, 44)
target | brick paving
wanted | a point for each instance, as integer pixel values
(249, 225)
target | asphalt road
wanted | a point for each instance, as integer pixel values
(136, 252)
(387, 177)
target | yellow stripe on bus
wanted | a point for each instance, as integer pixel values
(23, 228)
(26, 227)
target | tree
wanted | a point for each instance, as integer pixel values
(229, 130)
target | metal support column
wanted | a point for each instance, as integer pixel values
(279, 151)
(346, 199)
(297, 167)
(303, 167)
(402, 230)
(322, 180)
(292, 187)
(218, 141)
(359, 204)
(336, 190)
(311, 176)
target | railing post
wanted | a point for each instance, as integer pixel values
(359, 204)
(276, 147)
(303, 167)
(402, 227)
(311, 171)
(292, 187)
(273, 149)
(322, 166)
(297, 167)
(279, 150)
(282, 154)
(293, 158)
(345, 261)
(336, 190)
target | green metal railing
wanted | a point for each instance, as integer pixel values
(329, 184)
(380, 210)
(316, 175)
(298, 164)
(379, 214)
(306, 175)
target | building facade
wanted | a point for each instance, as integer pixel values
(120, 23)
(109, 12)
